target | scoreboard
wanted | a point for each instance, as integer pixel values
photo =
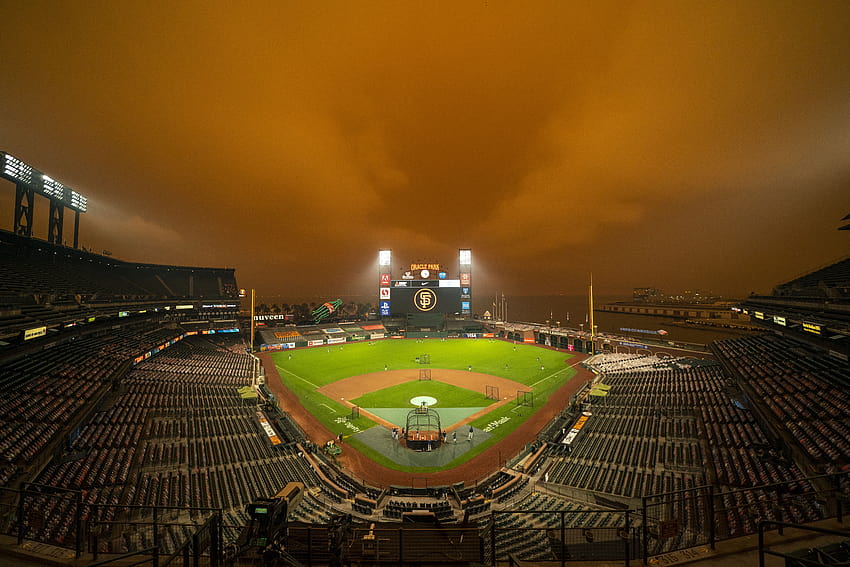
(423, 298)
(424, 288)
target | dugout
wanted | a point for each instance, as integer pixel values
(423, 430)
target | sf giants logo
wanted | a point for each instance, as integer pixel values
(425, 299)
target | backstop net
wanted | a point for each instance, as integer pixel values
(423, 431)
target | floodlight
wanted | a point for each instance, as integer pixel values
(465, 257)
(79, 202)
(16, 170)
(385, 257)
(52, 188)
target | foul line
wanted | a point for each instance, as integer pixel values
(296, 375)
(329, 407)
(548, 377)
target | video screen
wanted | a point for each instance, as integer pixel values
(426, 299)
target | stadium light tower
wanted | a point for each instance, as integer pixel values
(29, 181)
(465, 273)
(385, 270)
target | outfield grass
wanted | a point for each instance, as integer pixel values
(305, 370)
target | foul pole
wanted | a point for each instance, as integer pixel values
(252, 319)
(590, 306)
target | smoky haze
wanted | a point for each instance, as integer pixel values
(673, 144)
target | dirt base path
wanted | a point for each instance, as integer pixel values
(355, 386)
(471, 471)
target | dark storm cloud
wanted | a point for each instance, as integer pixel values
(662, 143)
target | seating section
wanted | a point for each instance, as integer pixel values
(178, 435)
(832, 281)
(808, 396)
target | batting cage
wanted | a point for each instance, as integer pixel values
(423, 431)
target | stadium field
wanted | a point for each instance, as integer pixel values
(382, 379)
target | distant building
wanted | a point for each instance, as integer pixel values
(646, 295)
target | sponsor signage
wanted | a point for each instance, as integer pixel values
(779, 320)
(385, 293)
(407, 276)
(316, 342)
(465, 279)
(270, 432)
(184, 307)
(634, 345)
(336, 340)
(759, 314)
(385, 309)
(575, 429)
(811, 328)
(281, 316)
(450, 283)
(644, 331)
(374, 336)
(35, 332)
(385, 279)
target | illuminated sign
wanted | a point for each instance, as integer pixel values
(385, 257)
(425, 266)
(385, 293)
(270, 432)
(811, 328)
(465, 279)
(219, 306)
(449, 283)
(465, 257)
(425, 299)
(123, 313)
(385, 309)
(407, 275)
(33, 333)
(759, 314)
(779, 320)
(385, 279)
(465, 305)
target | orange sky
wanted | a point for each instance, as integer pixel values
(672, 144)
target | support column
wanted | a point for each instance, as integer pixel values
(55, 229)
(24, 199)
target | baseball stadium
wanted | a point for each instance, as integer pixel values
(151, 417)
